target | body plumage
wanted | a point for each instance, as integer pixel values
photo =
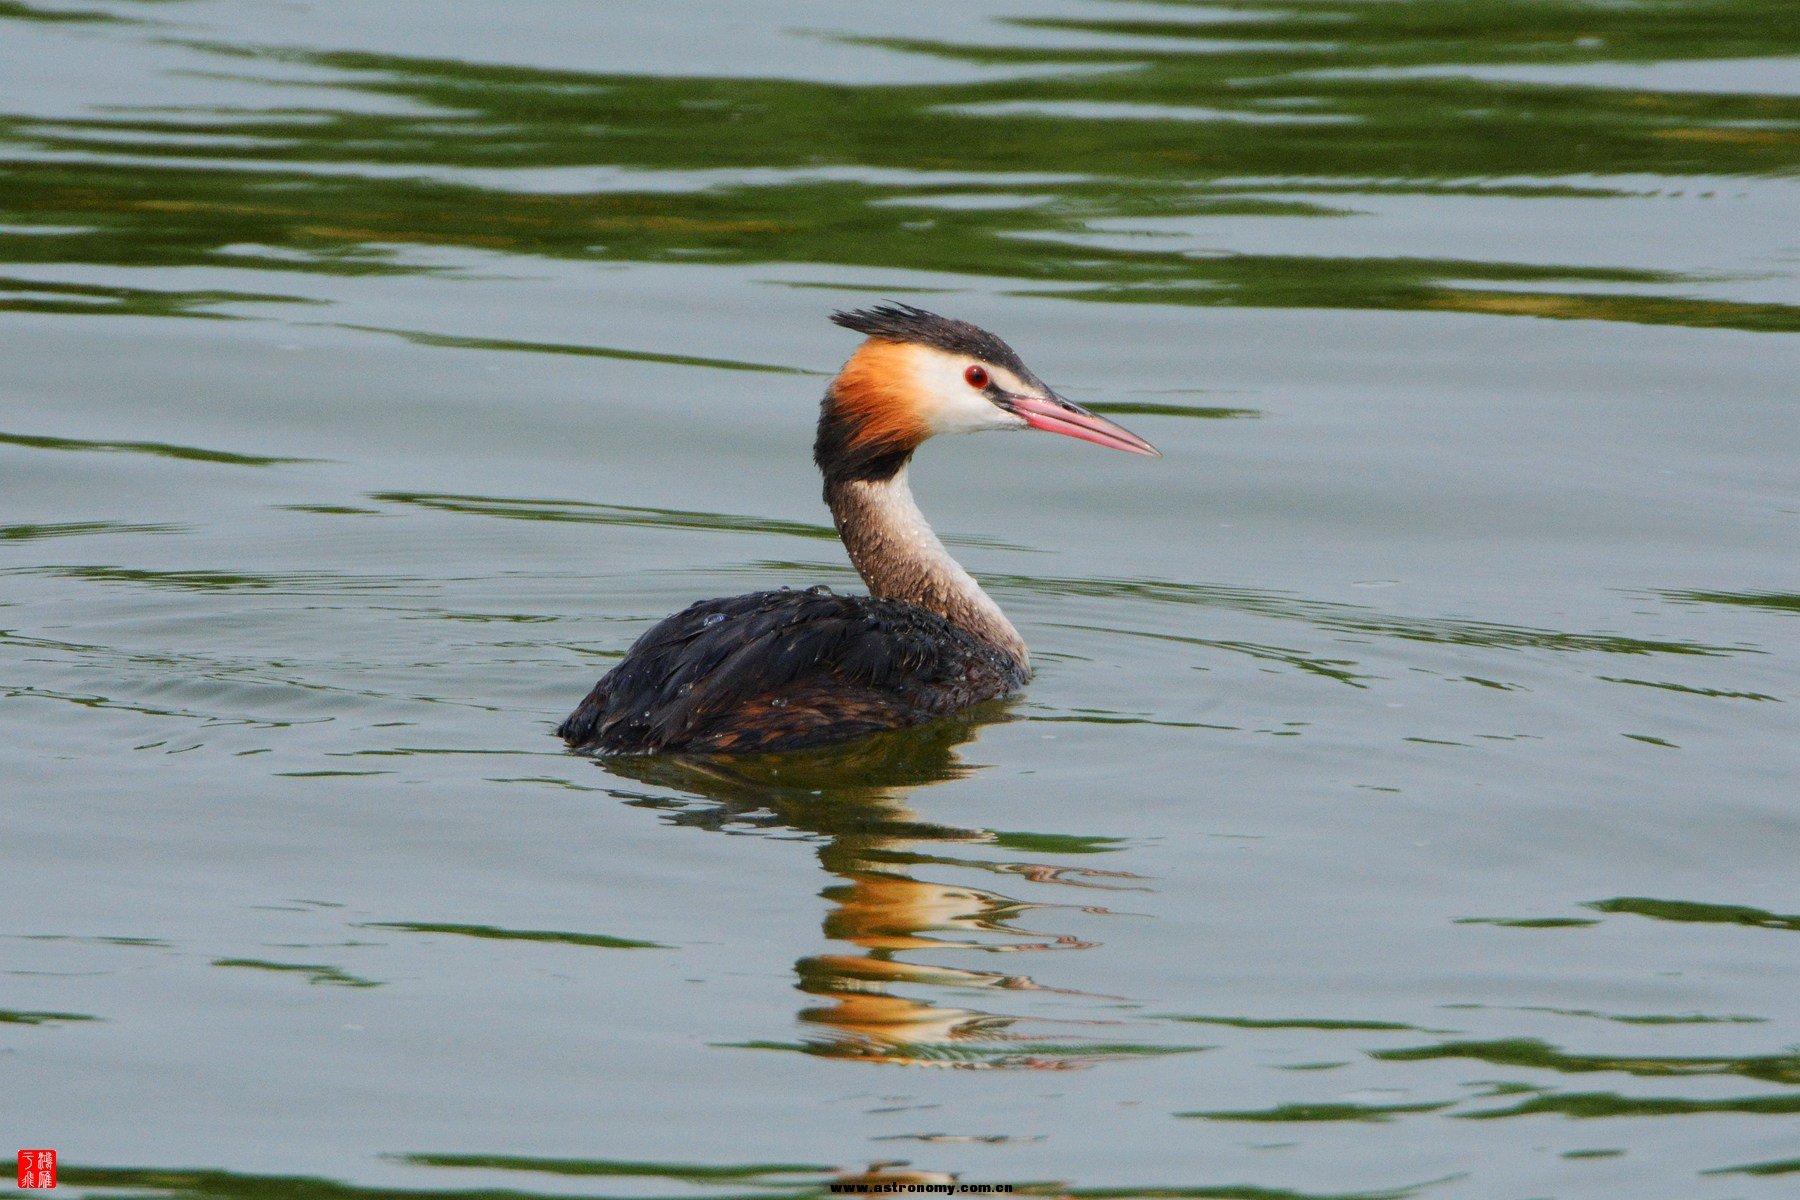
(785, 670)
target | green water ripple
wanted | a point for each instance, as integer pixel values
(1541, 1055)
(157, 449)
(314, 972)
(784, 1181)
(1244, 124)
(495, 933)
(1689, 911)
(13, 1016)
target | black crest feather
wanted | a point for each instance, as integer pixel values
(904, 323)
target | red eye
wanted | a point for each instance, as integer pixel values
(977, 377)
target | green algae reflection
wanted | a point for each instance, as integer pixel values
(314, 972)
(495, 933)
(1689, 911)
(13, 1016)
(1255, 112)
(1536, 1054)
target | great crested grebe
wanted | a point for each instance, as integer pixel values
(783, 670)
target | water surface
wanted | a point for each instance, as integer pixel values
(1405, 802)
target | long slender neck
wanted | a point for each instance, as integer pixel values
(900, 558)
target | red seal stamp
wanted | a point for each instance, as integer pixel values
(37, 1168)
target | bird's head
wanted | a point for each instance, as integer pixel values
(920, 374)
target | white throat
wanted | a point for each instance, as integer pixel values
(900, 558)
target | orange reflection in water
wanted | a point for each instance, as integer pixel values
(876, 1005)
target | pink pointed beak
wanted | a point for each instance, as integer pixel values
(1056, 415)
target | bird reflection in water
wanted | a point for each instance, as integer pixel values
(855, 796)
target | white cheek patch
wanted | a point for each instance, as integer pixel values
(950, 405)
(1010, 382)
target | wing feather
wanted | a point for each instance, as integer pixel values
(777, 670)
